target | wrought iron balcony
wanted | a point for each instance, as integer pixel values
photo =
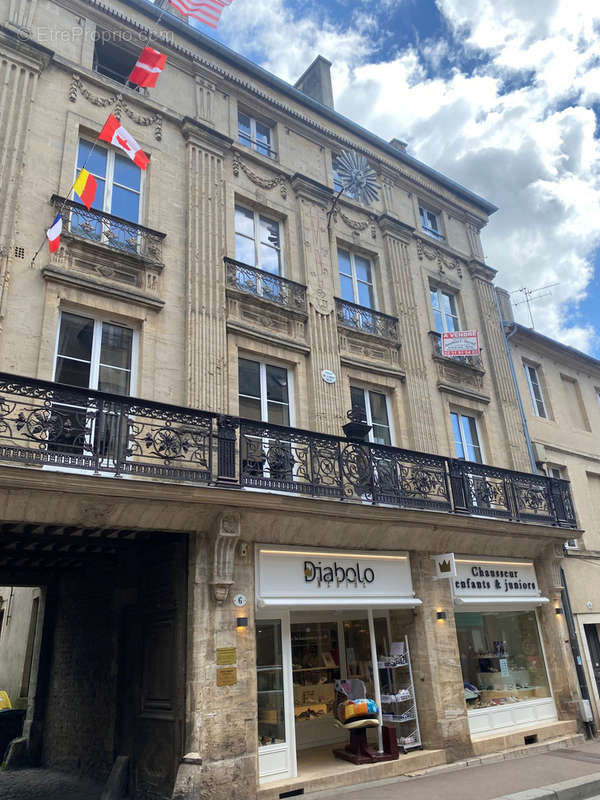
(110, 231)
(263, 284)
(366, 320)
(474, 362)
(44, 423)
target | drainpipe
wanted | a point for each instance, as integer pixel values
(511, 364)
(570, 620)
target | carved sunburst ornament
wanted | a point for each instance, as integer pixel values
(357, 177)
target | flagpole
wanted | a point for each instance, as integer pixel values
(65, 201)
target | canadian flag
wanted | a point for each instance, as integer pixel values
(148, 67)
(114, 133)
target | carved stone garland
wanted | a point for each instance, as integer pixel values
(120, 106)
(357, 225)
(257, 180)
(443, 260)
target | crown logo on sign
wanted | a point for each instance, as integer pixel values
(444, 566)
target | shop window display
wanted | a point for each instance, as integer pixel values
(269, 666)
(501, 658)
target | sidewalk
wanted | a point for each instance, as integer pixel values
(488, 781)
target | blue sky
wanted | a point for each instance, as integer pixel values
(503, 97)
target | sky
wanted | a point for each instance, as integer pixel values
(503, 97)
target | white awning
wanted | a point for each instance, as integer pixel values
(498, 603)
(338, 602)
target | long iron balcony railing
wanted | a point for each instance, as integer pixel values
(49, 424)
(119, 234)
(366, 320)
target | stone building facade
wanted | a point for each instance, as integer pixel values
(224, 288)
(560, 388)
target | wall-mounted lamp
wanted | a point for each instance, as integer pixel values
(440, 615)
(242, 622)
(559, 610)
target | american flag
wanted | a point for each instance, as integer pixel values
(207, 11)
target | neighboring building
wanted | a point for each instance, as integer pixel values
(19, 620)
(560, 387)
(212, 557)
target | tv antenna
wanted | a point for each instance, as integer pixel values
(531, 295)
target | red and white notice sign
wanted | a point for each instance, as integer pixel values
(460, 343)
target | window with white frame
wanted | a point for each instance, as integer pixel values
(263, 392)
(535, 391)
(119, 190)
(258, 240)
(445, 310)
(430, 222)
(255, 134)
(373, 408)
(92, 354)
(467, 441)
(356, 278)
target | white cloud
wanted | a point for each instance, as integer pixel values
(530, 149)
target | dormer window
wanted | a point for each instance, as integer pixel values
(255, 134)
(110, 59)
(430, 222)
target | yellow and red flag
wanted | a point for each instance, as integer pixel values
(85, 186)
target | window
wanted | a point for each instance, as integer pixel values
(445, 313)
(372, 406)
(466, 437)
(119, 182)
(110, 59)
(257, 240)
(501, 658)
(94, 354)
(356, 279)
(255, 134)
(91, 354)
(263, 392)
(535, 390)
(558, 472)
(430, 222)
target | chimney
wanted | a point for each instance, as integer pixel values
(316, 81)
(506, 308)
(398, 144)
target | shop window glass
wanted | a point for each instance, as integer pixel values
(501, 658)
(269, 668)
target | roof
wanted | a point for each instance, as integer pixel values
(268, 78)
(555, 344)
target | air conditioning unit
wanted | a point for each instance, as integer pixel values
(539, 453)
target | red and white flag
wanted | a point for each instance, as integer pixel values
(148, 67)
(114, 133)
(207, 11)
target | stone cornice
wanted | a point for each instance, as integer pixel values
(27, 52)
(390, 226)
(479, 269)
(307, 187)
(100, 287)
(470, 394)
(201, 135)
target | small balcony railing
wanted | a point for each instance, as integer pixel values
(366, 320)
(474, 362)
(263, 284)
(44, 423)
(110, 231)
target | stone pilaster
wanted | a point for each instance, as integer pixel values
(436, 664)
(20, 66)
(327, 412)
(555, 634)
(221, 741)
(421, 427)
(492, 340)
(206, 337)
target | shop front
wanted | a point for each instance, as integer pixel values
(505, 676)
(322, 616)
